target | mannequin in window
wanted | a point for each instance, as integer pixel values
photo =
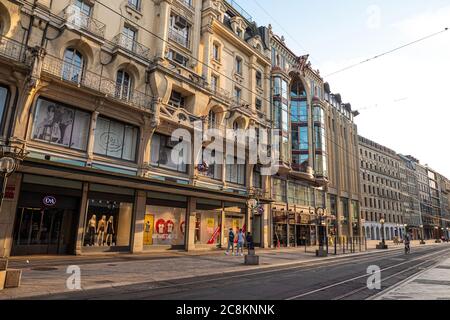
(91, 229)
(110, 231)
(101, 231)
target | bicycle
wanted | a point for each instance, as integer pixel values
(407, 249)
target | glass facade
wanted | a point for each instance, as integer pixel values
(300, 128)
(320, 163)
(281, 115)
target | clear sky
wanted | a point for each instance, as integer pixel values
(403, 97)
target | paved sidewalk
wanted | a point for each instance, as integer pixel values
(432, 284)
(49, 277)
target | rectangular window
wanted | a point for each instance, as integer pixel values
(279, 190)
(129, 38)
(135, 4)
(115, 139)
(257, 178)
(61, 125)
(258, 103)
(235, 173)
(3, 101)
(178, 58)
(163, 156)
(176, 99)
(259, 79)
(214, 82)
(237, 94)
(216, 52)
(239, 65)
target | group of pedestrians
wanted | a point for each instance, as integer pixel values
(241, 239)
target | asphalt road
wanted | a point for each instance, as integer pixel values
(340, 279)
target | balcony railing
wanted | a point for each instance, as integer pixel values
(78, 20)
(179, 37)
(84, 78)
(129, 44)
(12, 49)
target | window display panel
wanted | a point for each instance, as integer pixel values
(207, 227)
(115, 139)
(164, 226)
(233, 221)
(162, 154)
(61, 125)
(108, 223)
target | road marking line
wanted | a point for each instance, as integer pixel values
(359, 277)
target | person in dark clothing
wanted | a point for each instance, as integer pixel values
(230, 242)
(250, 244)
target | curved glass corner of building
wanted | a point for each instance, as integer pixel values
(300, 126)
(320, 142)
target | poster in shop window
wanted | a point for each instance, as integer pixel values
(210, 222)
(148, 229)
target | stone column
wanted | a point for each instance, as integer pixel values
(207, 43)
(91, 139)
(82, 218)
(190, 224)
(137, 244)
(162, 27)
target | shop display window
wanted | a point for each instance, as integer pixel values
(61, 125)
(115, 139)
(108, 223)
(207, 227)
(164, 226)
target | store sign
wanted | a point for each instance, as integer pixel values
(49, 201)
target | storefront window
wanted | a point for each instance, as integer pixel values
(109, 217)
(164, 226)
(115, 139)
(61, 125)
(3, 97)
(162, 154)
(208, 222)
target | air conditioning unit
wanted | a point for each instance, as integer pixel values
(181, 22)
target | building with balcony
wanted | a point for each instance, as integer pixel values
(94, 90)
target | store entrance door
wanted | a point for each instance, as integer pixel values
(303, 235)
(48, 231)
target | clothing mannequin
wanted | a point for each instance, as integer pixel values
(110, 231)
(101, 230)
(91, 228)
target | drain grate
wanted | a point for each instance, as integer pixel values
(44, 269)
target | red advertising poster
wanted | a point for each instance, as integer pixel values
(215, 234)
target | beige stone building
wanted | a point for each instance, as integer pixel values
(95, 90)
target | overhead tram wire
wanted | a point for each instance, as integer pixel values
(387, 52)
(283, 29)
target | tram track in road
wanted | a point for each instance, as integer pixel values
(333, 290)
(246, 279)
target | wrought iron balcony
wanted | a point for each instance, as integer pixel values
(179, 37)
(130, 45)
(12, 49)
(76, 19)
(81, 77)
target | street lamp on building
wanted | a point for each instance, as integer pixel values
(10, 159)
(382, 245)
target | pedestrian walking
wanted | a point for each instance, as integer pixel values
(240, 243)
(230, 242)
(407, 242)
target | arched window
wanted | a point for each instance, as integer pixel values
(73, 65)
(123, 85)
